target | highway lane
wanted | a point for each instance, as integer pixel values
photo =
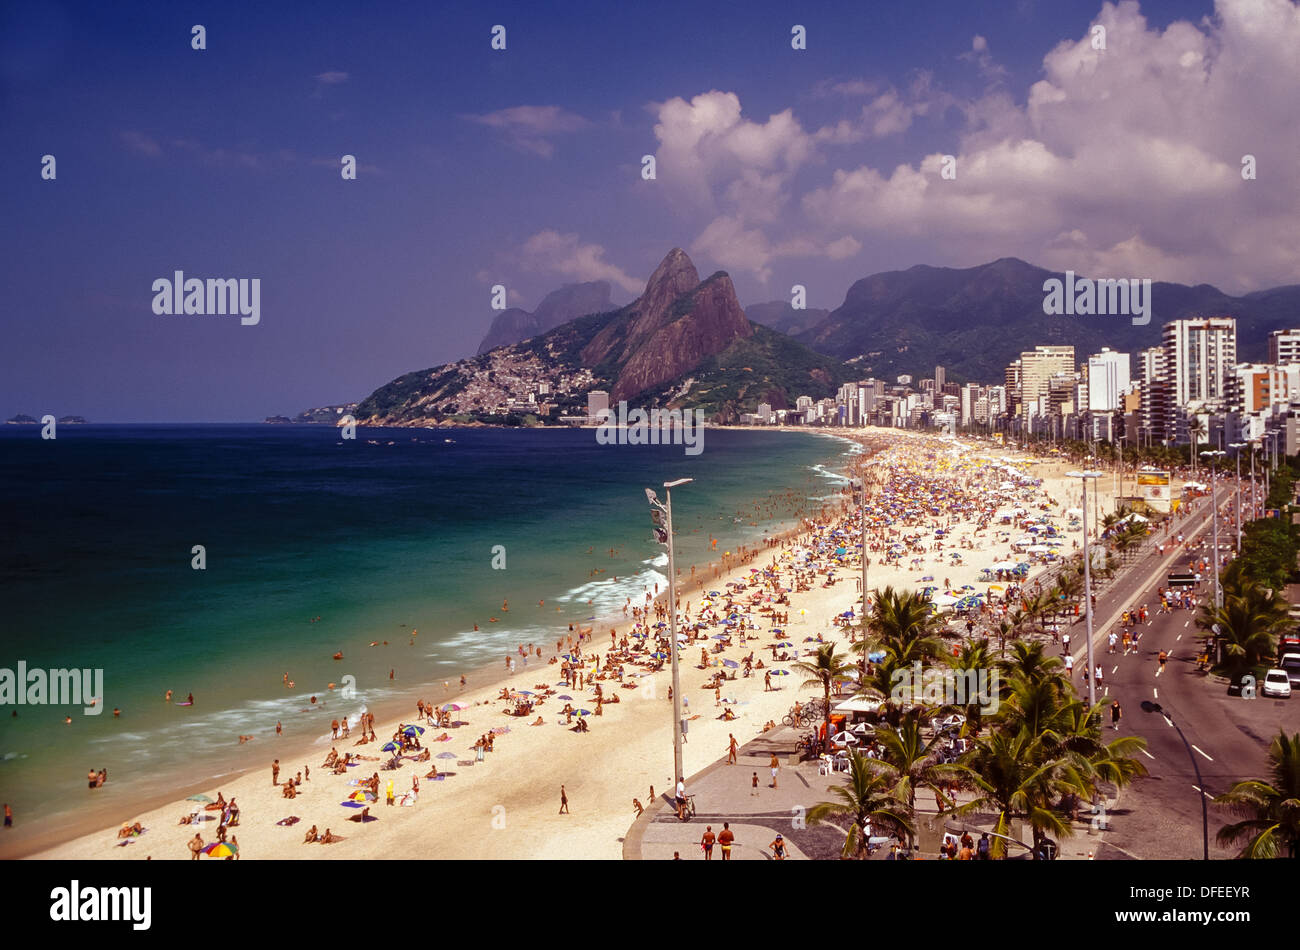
(1159, 815)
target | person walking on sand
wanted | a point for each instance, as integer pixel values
(275, 772)
(731, 749)
(564, 801)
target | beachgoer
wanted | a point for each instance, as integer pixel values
(726, 839)
(564, 801)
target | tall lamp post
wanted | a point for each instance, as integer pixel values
(860, 497)
(1237, 447)
(1213, 455)
(1148, 706)
(663, 529)
(1087, 583)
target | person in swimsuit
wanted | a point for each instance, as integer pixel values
(707, 841)
(778, 849)
(726, 838)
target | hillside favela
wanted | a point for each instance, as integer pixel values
(856, 435)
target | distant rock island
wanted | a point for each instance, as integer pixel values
(323, 416)
(25, 420)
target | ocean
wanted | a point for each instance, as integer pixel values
(405, 538)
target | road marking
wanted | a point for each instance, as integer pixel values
(1197, 748)
(1147, 754)
(1113, 669)
(1155, 692)
(1203, 791)
(1177, 638)
(1105, 691)
(1186, 622)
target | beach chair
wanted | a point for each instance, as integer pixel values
(825, 765)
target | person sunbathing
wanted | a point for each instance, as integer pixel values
(537, 722)
(130, 831)
(433, 772)
(329, 837)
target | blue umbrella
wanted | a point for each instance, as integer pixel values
(390, 747)
(780, 672)
(877, 656)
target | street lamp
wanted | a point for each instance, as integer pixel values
(1238, 446)
(664, 535)
(860, 496)
(1214, 455)
(1148, 706)
(1087, 583)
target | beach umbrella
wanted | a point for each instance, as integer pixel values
(390, 747)
(361, 795)
(582, 712)
(220, 849)
(199, 798)
(780, 672)
(659, 655)
(445, 755)
(451, 707)
(352, 804)
(784, 643)
(525, 692)
(413, 731)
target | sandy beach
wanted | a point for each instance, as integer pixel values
(507, 806)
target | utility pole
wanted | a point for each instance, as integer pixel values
(664, 535)
(1213, 457)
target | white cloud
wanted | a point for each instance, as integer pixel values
(530, 128)
(550, 251)
(1135, 150)
(331, 77)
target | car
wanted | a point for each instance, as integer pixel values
(1287, 643)
(1290, 663)
(1276, 683)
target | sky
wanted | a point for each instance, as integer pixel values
(523, 167)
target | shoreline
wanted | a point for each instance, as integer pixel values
(231, 767)
(633, 749)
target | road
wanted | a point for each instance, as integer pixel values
(1160, 814)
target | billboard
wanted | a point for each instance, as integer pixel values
(1153, 487)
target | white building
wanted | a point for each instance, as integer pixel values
(1108, 377)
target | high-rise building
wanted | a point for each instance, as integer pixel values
(940, 376)
(1039, 365)
(1198, 355)
(1108, 377)
(597, 402)
(1284, 347)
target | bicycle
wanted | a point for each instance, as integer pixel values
(687, 811)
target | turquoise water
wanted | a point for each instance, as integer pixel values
(377, 540)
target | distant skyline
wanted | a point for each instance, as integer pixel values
(522, 167)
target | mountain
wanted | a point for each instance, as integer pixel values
(974, 321)
(685, 342)
(559, 306)
(780, 316)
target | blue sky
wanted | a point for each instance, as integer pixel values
(522, 167)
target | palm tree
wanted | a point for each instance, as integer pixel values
(910, 759)
(1196, 429)
(1272, 829)
(1028, 661)
(975, 656)
(903, 623)
(827, 665)
(1248, 624)
(871, 800)
(1015, 776)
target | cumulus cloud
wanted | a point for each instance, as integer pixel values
(331, 77)
(1133, 151)
(531, 128)
(550, 251)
